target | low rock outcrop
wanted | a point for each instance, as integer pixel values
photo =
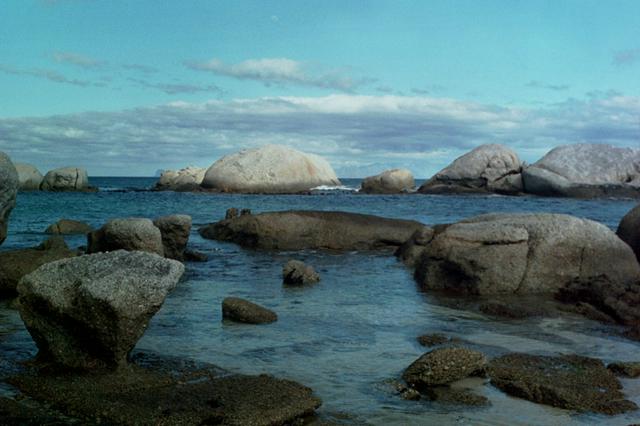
(8, 191)
(296, 272)
(187, 179)
(29, 177)
(174, 230)
(625, 369)
(298, 230)
(271, 169)
(240, 310)
(68, 227)
(629, 230)
(523, 253)
(443, 366)
(129, 234)
(89, 311)
(585, 171)
(570, 381)
(394, 181)
(66, 179)
(487, 168)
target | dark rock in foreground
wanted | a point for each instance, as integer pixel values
(15, 264)
(68, 227)
(298, 230)
(240, 310)
(88, 312)
(625, 369)
(629, 230)
(174, 230)
(443, 366)
(411, 250)
(296, 272)
(571, 382)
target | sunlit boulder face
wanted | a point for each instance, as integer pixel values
(585, 171)
(487, 168)
(392, 181)
(271, 169)
(8, 190)
(29, 177)
(187, 179)
(66, 179)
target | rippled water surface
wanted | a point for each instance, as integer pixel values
(345, 337)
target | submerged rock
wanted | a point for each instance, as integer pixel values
(443, 366)
(8, 191)
(297, 230)
(66, 179)
(271, 169)
(88, 312)
(29, 177)
(296, 272)
(392, 181)
(131, 234)
(187, 179)
(68, 227)
(585, 171)
(625, 369)
(175, 231)
(435, 339)
(15, 264)
(523, 253)
(507, 309)
(570, 381)
(487, 168)
(240, 310)
(448, 395)
(629, 230)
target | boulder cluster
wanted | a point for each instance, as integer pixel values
(62, 179)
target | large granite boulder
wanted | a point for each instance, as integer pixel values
(187, 179)
(8, 190)
(629, 230)
(15, 264)
(487, 168)
(523, 253)
(131, 234)
(174, 230)
(392, 181)
(66, 179)
(299, 230)
(585, 171)
(29, 177)
(89, 311)
(271, 169)
(68, 227)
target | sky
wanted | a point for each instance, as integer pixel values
(128, 87)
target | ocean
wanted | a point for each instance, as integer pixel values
(346, 337)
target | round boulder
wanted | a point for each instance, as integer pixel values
(392, 181)
(131, 234)
(444, 366)
(187, 179)
(296, 272)
(66, 179)
(240, 310)
(629, 230)
(29, 177)
(8, 190)
(271, 169)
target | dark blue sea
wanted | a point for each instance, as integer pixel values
(346, 337)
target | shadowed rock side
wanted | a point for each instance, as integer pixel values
(522, 253)
(271, 169)
(15, 264)
(174, 230)
(629, 230)
(66, 179)
(571, 382)
(187, 179)
(29, 177)
(443, 366)
(299, 230)
(8, 191)
(295, 272)
(487, 168)
(394, 181)
(240, 310)
(585, 171)
(88, 312)
(68, 227)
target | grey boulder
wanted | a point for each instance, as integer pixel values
(240, 310)
(8, 191)
(187, 179)
(629, 230)
(29, 176)
(127, 234)
(66, 179)
(88, 312)
(443, 366)
(68, 227)
(174, 230)
(392, 181)
(296, 272)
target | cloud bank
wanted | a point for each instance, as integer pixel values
(359, 135)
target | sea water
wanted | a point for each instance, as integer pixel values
(347, 337)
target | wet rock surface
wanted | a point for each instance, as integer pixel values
(296, 272)
(504, 309)
(68, 227)
(297, 230)
(625, 369)
(571, 382)
(443, 366)
(457, 396)
(435, 339)
(240, 310)
(174, 230)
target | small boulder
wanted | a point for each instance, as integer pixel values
(443, 366)
(66, 179)
(231, 213)
(571, 382)
(175, 230)
(629, 230)
(29, 177)
(187, 179)
(126, 234)
(392, 181)
(8, 191)
(487, 168)
(296, 272)
(89, 311)
(625, 369)
(240, 310)
(68, 227)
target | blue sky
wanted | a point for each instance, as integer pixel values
(128, 87)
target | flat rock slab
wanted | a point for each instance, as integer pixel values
(139, 396)
(571, 382)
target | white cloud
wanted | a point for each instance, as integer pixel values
(78, 60)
